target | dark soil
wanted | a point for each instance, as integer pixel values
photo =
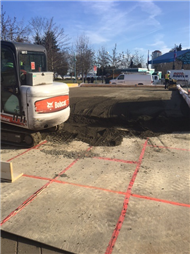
(103, 121)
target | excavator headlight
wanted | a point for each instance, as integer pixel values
(52, 104)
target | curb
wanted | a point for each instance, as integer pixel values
(72, 84)
(109, 85)
(184, 94)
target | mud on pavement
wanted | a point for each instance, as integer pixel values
(102, 117)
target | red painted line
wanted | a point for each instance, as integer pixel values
(92, 187)
(107, 190)
(38, 177)
(19, 154)
(42, 143)
(89, 149)
(37, 146)
(167, 147)
(63, 171)
(117, 160)
(34, 195)
(160, 200)
(75, 184)
(25, 203)
(125, 204)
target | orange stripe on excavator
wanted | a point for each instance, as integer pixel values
(53, 104)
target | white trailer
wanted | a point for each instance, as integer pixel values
(181, 76)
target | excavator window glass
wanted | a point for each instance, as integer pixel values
(8, 72)
(31, 61)
(9, 100)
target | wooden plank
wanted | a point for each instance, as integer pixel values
(7, 173)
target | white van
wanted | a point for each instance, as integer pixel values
(133, 79)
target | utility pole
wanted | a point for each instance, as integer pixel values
(148, 61)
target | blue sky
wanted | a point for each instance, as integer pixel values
(132, 25)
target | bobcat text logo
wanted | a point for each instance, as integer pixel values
(49, 104)
(60, 104)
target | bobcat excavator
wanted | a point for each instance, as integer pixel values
(30, 101)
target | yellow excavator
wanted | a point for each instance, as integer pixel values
(31, 101)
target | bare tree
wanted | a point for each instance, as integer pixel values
(13, 30)
(125, 59)
(115, 59)
(138, 60)
(40, 26)
(53, 38)
(84, 55)
(103, 59)
(132, 60)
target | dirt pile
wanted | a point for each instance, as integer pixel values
(104, 121)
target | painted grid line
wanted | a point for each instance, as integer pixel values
(35, 194)
(116, 160)
(29, 149)
(160, 200)
(125, 204)
(107, 190)
(127, 193)
(167, 147)
(76, 184)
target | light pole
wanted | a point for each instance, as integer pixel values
(75, 61)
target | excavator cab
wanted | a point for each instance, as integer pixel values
(10, 99)
(30, 99)
(15, 64)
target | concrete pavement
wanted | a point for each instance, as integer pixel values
(132, 198)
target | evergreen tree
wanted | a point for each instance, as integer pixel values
(50, 43)
(179, 48)
(176, 47)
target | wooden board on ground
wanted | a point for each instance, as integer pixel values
(7, 173)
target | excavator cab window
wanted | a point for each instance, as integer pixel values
(8, 72)
(9, 84)
(31, 61)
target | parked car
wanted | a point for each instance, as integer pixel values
(90, 75)
(67, 77)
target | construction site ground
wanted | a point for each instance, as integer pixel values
(115, 180)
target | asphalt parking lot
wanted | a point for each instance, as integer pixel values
(75, 197)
